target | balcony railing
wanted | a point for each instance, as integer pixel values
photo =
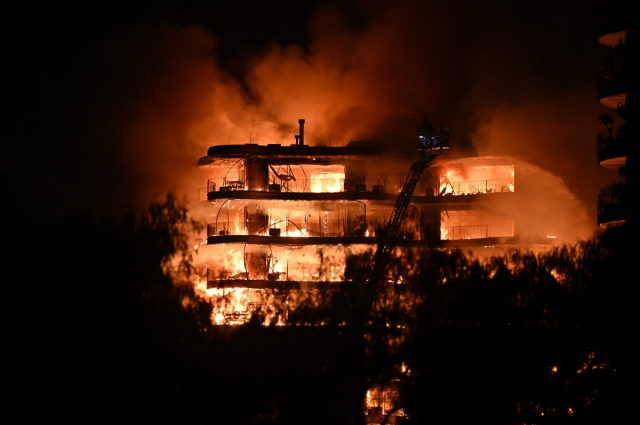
(224, 184)
(373, 185)
(290, 272)
(294, 229)
(477, 187)
(479, 231)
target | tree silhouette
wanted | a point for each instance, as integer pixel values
(105, 327)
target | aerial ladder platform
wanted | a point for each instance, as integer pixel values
(431, 143)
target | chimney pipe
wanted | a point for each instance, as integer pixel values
(301, 122)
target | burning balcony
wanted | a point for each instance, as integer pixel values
(245, 279)
(290, 219)
(284, 229)
(278, 266)
(331, 183)
(457, 225)
(462, 179)
(477, 187)
(612, 147)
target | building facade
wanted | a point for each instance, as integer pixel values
(617, 87)
(288, 217)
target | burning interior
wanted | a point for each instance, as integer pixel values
(475, 179)
(284, 221)
(287, 217)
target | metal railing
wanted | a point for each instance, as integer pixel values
(478, 231)
(292, 272)
(373, 185)
(223, 184)
(478, 186)
(293, 229)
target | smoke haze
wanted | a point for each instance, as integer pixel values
(510, 78)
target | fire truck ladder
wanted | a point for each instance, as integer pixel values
(432, 143)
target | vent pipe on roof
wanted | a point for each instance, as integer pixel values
(301, 135)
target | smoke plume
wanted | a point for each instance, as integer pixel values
(508, 78)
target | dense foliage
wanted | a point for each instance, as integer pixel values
(102, 331)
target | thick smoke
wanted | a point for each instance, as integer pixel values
(508, 79)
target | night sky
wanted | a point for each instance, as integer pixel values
(110, 104)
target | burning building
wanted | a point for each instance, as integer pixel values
(287, 217)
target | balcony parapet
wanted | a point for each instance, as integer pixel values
(475, 187)
(371, 240)
(613, 87)
(612, 147)
(479, 231)
(332, 229)
(612, 32)
(263, 277)
(449, 200)
(292, 240)
(335, 185)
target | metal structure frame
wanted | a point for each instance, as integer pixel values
(431, 144)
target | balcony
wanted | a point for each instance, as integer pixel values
(613, 87)
(479, 231)
(331, 189)
(476, 187)
(259, 276)
(612, 150)
(280, 229)
(613, 32)
(613, 207)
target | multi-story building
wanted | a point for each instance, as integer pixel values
(617, 87)
(287, 217)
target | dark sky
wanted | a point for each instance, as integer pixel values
(108, 104)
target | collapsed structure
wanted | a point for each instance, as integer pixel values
(287, 217)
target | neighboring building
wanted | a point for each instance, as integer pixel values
(617, 87)
(287, 217)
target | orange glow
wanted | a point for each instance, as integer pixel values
(380, 400)
(466, 180)
(235, 305)
(327, 182)
(456, 225)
